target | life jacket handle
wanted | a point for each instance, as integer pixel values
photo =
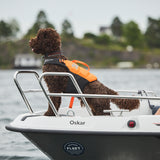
(80, 62)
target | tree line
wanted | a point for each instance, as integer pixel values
(130, 34)
(144, 46)
(10, 30)
(123, 34)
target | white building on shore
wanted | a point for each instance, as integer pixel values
(125, 65)
(27, 61)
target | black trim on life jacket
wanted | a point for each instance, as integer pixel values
(70, 86)
(54, 61)
(81, 82)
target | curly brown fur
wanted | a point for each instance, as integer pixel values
(48, 41)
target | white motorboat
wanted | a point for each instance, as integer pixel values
(77, 134)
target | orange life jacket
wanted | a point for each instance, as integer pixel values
(76, 69)
(82, 75)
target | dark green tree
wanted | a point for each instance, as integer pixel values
(9, 30)
(116, 27)
(5, 30)
(67, 30)
(14, 27)
(89, 36)
(133, 34)
(41, 22)
(152, 34)
(103, 39)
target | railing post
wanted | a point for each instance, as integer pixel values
(74, 82)
(20, 89)
(48, 98)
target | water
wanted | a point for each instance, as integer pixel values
(14, 146)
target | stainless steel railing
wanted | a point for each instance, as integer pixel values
(72, 79)
(79, 94)
(22, 92)
(20, 88)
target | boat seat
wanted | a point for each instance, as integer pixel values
(155, 109)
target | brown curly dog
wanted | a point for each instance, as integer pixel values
(48, 43)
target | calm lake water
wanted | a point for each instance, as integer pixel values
(14, 146)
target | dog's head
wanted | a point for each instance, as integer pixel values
(46, 42)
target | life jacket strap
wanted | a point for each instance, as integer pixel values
(71, 102)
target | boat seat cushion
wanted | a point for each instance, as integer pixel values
(155, 109)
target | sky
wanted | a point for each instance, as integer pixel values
(84, 15)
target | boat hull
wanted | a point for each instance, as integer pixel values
(62, 145)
